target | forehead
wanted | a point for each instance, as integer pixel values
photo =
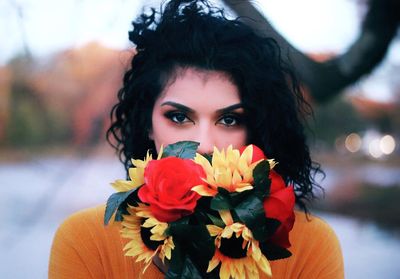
(200, 86)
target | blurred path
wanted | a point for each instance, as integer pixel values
(34, 199)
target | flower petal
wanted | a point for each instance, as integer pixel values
(213, 264)
(214, 230)
(264, 265)
(224, 272)
(204, 191)
(226, 216)
(123, 185)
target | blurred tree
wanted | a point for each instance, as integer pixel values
(26, 125)
(384, 116)
(63, 99)
(5, 78)
(28, 121)
(80, 85)
(324, 80)
(335, 119)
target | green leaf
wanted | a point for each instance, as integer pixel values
(216, 221)
(193, 242)
(195, 237)
(184, 270)
(176, 263)
(227, 200)
(262, 183)
(208, 157)
(120, 212)
(250, 211)
(189, 270)
(273, 251)
(114, 202)
(237, 197)
(181, 149)
(265, 229)
(200, 243)
(177, 226)
(222, 200)
(272, 225)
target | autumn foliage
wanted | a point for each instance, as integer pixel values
(73, 90)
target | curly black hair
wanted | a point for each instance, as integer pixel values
(194, 34)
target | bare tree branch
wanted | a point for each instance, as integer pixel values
(20, 15)
(326, 80)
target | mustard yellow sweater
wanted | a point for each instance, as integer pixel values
(84, 248)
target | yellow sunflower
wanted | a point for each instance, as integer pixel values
(246, 265)
(136, 174)
(132, 227)
(228, 169)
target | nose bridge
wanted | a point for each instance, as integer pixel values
(205, 137)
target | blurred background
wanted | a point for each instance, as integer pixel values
(61, 64)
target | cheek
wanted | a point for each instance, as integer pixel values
(240, 138)
(236, 138)
(165, 132)
(156, 129)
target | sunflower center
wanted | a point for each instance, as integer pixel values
(145, 233)
(232, 247)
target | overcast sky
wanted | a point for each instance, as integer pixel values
(47, 26)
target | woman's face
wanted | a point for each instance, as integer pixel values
(202, 106)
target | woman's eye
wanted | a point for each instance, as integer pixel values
(229, 120)
(177, 117)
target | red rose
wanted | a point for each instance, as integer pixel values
(167, 188)
(279, 205)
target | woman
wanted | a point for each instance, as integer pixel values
(201, 77)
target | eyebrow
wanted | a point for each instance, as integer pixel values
(178, 106)
(230, 108)
(189, 110)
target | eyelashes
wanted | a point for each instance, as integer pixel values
(178, 117)
(230, 119)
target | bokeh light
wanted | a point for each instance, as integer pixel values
(340, 145)
(353, 142)
(374, 148)
(387, 144)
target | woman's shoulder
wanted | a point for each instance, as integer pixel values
(82, 246)
(87, 225)
(311, 223)
(92, 216)
(309, 229)
(315, 248)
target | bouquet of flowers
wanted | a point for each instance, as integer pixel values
(224, 215)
